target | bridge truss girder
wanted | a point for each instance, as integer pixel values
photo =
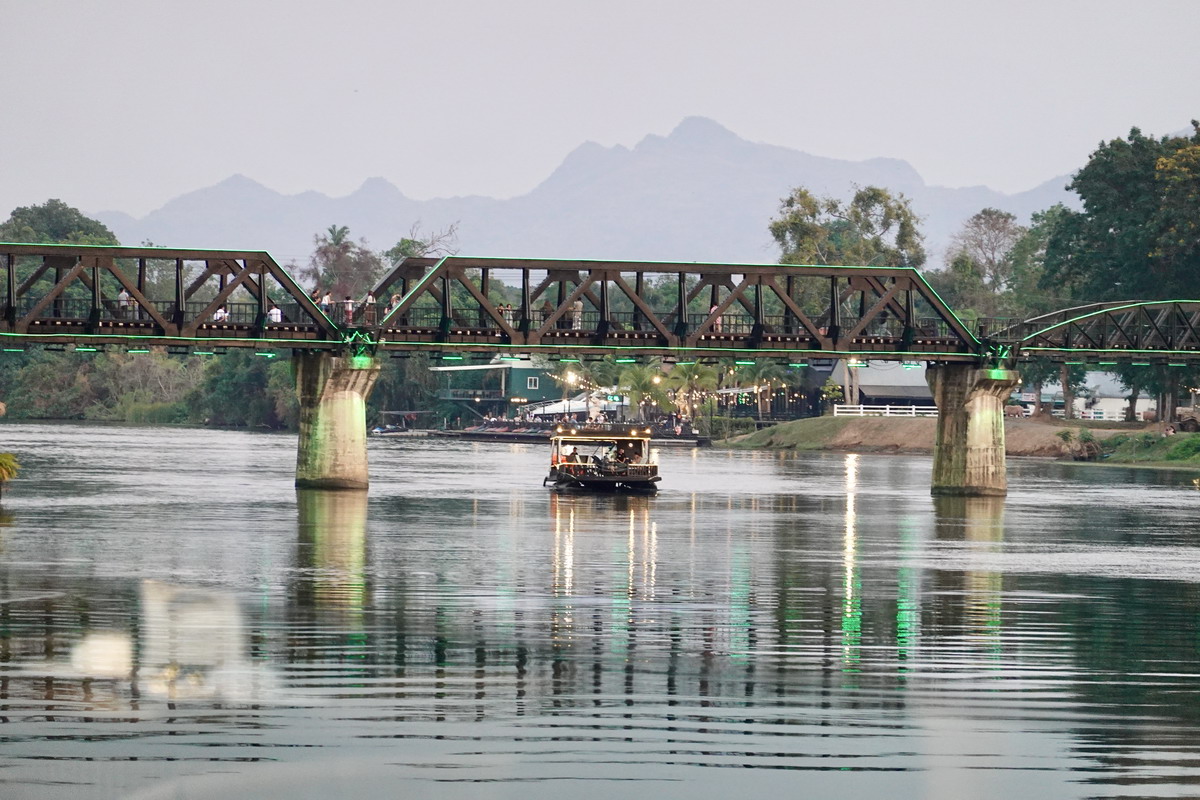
(57, 292)
(1117, 331)
(593, 307)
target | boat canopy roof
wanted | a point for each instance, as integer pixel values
(606, 433)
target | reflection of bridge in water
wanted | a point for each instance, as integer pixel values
(89, 299)
(708, 649)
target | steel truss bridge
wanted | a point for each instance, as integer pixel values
(199, 301)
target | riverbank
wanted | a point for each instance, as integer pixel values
(1045, 438)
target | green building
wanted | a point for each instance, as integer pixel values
(496, 388)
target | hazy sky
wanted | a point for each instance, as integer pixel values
(123, 104)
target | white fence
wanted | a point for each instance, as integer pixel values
(1092, 413)
(885, 411)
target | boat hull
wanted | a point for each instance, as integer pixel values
(582, 480)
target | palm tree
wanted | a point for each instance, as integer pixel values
(761, 375)
(688, 382)
(337, 234)
(584, 375)
(9, 467)
(566, 374)
(644, 385)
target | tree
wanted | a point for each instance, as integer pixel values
(760, 376)
(690, 382)
(872, 229)
(1177, 220)
(9, 467)
(1037, 372)
(567, 375)
(987, 240)
(1131, 241)
(644, 385)
(244, 389)
(962, 286)
(417, 244)
(584, 376)
(1027, 297)
(340, 266)
(54, 222)
(338, 235)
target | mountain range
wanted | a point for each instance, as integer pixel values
(700, 193)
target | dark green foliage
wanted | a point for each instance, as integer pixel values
(404, 384)
(1149, 447)
(1187, 448)
(1131, 241)
(244, 389)
(54, 222)
(104, 386)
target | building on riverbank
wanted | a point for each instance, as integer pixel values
(882, 383)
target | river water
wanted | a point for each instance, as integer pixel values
(176, 621)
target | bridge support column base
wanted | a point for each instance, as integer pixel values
(333, 391)
(968, 453)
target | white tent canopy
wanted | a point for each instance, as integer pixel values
(577, 404)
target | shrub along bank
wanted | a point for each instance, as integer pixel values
(1152, 447)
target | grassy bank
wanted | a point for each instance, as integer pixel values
(815, 433)
(1047, 438)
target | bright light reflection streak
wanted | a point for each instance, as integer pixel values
(851, 602)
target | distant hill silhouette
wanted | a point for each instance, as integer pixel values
(699, 194)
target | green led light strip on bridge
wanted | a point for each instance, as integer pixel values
(1109, 352)
(301, 344)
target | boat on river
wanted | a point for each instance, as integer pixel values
(608, 458)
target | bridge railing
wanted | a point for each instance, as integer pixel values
(80, 310)
(626, 321)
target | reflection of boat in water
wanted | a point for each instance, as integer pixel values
(602, 458)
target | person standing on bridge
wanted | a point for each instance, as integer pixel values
(369, 309)
(275, 315)
(124, 303)
(326, 303)
(348, 310)
(577, 314)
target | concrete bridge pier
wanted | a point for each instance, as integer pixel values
(968, 453)
(333, 391)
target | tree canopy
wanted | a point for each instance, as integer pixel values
(54, 222)
(1136, 235)
(340, 266)
(874, 228)
(996, 266)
